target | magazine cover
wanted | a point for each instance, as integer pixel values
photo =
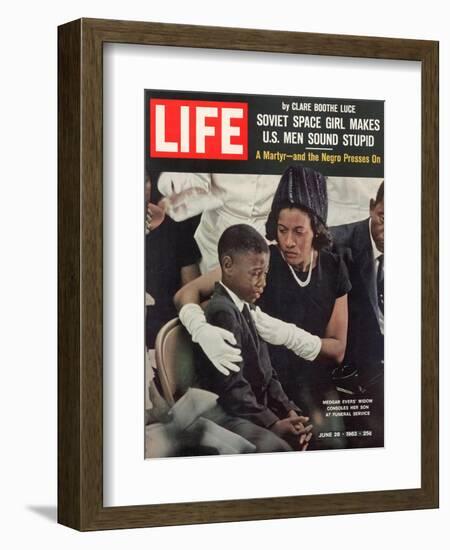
(264, 271)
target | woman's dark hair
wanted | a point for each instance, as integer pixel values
(306, 190)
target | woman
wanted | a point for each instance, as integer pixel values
(306, 286)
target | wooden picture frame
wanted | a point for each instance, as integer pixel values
(80, 272)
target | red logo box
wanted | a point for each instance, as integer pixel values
(198, 129)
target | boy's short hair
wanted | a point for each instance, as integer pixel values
(241, 238)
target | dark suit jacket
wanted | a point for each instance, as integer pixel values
(365, 342)
(255, 392)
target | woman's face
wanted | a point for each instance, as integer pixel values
(295, 236)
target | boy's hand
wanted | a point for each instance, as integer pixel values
(306, 433)
(290, 426)
(294, 425)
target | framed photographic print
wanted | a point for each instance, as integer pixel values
(227, 304)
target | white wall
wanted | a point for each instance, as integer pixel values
(28, 274)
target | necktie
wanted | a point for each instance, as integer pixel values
(250, 323)
(380, 283)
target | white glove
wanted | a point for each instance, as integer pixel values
(213, 340)
(276, 332)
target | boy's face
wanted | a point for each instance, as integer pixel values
(245, 274)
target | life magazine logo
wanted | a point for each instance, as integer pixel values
(198, 129)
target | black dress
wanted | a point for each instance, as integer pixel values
(307, 383)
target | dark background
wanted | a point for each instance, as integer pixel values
(271, 104)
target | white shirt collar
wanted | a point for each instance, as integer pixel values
(238, 302)
(376, 252)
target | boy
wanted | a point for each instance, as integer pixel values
(252, 402)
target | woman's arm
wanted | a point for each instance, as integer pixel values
(330, 349)
(189, 273)
(335, 340)
(198, 290)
